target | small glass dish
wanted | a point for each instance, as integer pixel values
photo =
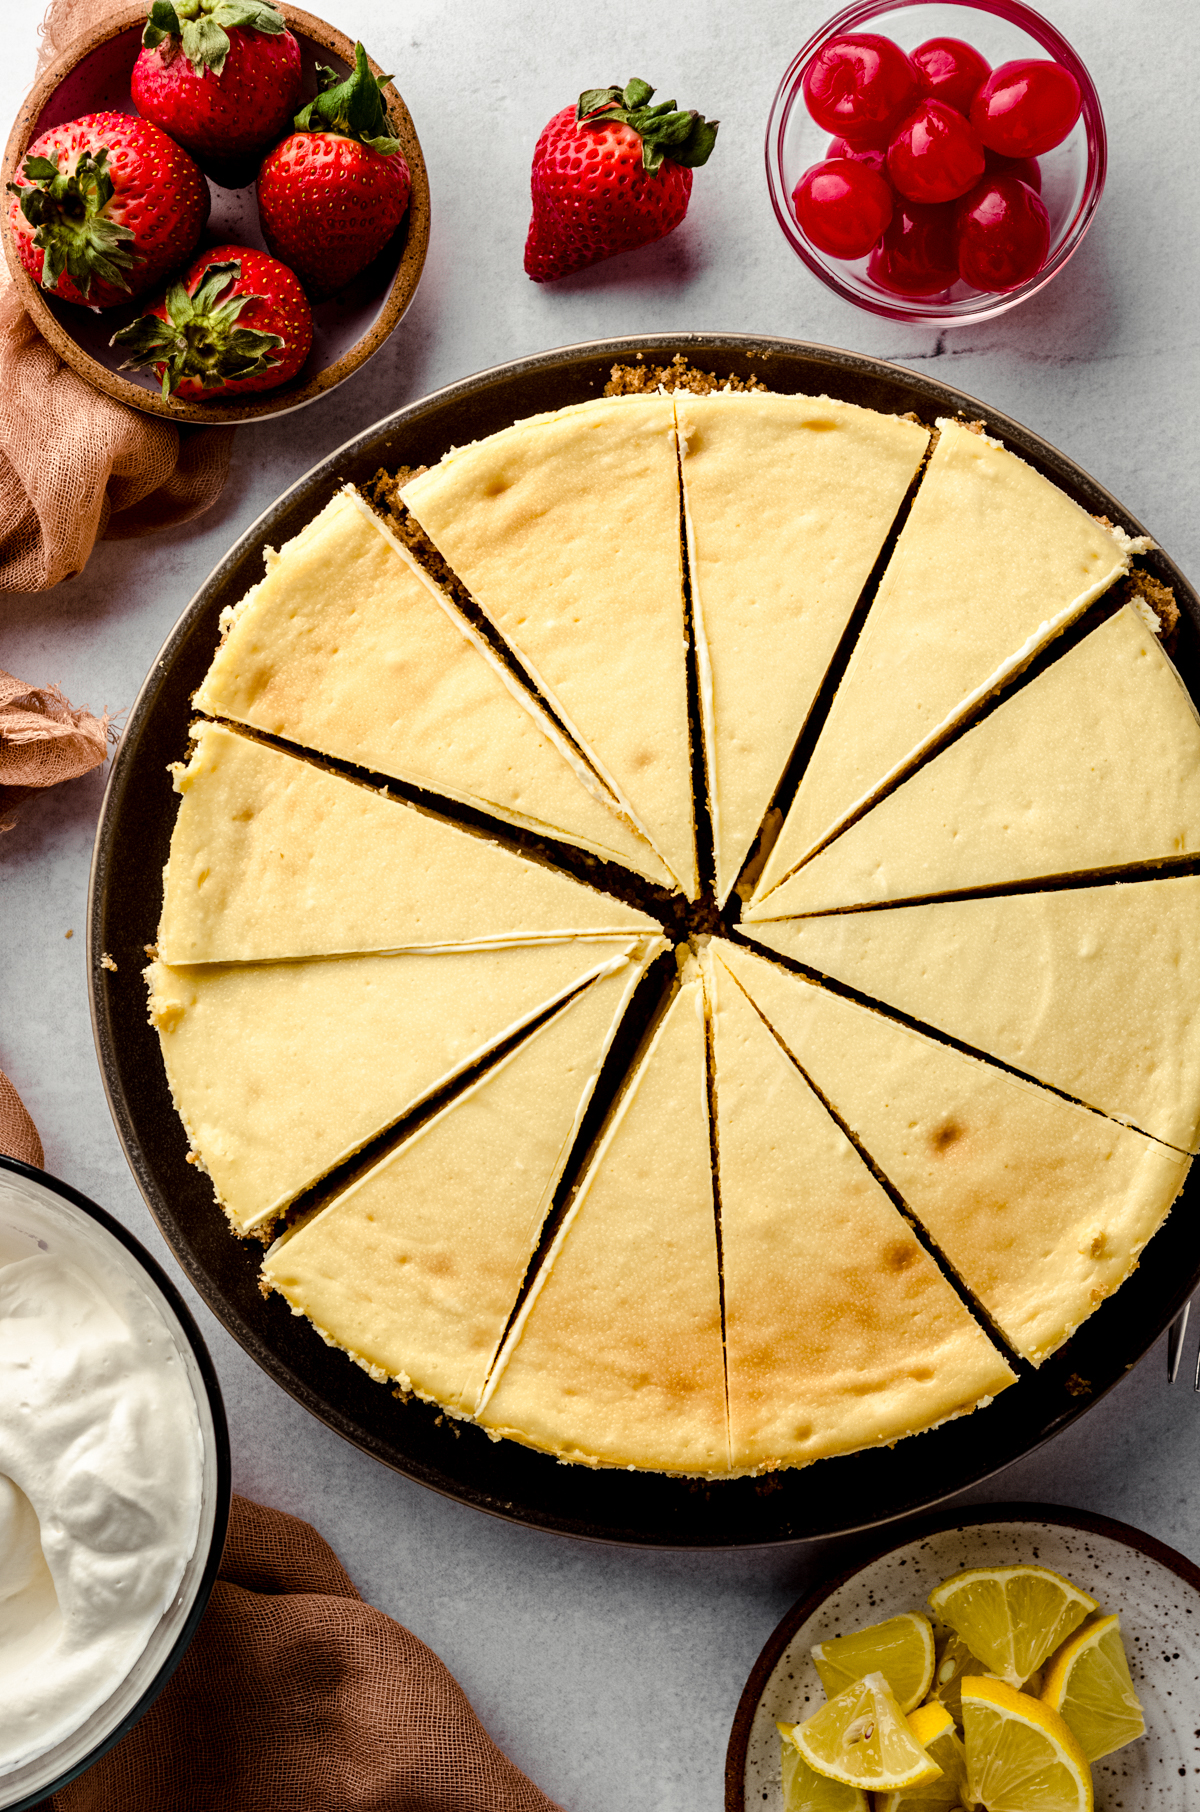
(1001, 30)
(37, 1212)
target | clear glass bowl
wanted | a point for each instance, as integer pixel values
(39, 1213)
(1001, 30)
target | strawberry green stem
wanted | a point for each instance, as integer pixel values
(352, 106)
(72, 230)
(201, 27)
(684, 136)
(200, 338)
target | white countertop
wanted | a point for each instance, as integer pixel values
(612, 1676)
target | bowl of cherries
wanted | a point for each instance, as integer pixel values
(936, 162)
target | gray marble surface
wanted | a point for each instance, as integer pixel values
(612, 1675)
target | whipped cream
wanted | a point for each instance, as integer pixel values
(100, 1486)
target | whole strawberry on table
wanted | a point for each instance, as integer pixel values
(107, 205)
(333, 193)
(609, 175)
(223, 77)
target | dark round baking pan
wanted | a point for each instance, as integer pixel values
(132, 842)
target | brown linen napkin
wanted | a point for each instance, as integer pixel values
(74, 465)
(295, 1696)
(18, 1134)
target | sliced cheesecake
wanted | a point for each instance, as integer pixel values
(840, 1331)
(274, 857)
(279, 1071)
(788, 500)
(348, 647)
(1040, 1205)
(616, 1357)
(992, 563)
(1092, 766)
(1094, 990)
(565, 529)
(415, 1269)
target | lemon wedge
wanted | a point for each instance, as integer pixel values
(1011, 1618)
(1087, 1682)
(900, 1649)
(1021, 1756)
(862, 1738)
(933, 1727)
(804, 1790)
(952, 1661)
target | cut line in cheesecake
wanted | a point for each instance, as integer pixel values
(1092, 991)
(563, 527)
(787, 501)
(414, 1269)
(347, 647)
(1036, 1209)
(332, 1052)
(941, 637)
(273, 857)
(1092, 767)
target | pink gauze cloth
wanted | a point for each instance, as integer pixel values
(74, 464)
(44, 739)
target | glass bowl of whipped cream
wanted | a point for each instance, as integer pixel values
(114, 1482)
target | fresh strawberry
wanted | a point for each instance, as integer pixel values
(235, 321)
(107, 205)
(609, 175)
(331, 196)
(221, 76)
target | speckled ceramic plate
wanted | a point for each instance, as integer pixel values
(1155, 1591)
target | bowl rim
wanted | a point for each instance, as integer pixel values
(924, 310)
(971, 1516)
(224, 1467)
(399, 295)
(641, 1514)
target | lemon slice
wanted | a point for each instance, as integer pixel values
(1087, 1682)
(1021, 1756)
(862, 1738)
(900, 1649)
(804, 1790)
(1011, 1618)
(953, 1661)
(933, 1727)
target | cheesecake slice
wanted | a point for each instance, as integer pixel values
(415, 1269)
(1040, 1206)
(347, 647)
(273, 857)
(616, 1357)
(1092, 766)
(840, 1331)
(565, 530)
(787, 503)
(279, 1071)
(1094, 990)
(992, 563)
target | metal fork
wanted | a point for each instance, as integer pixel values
(1175, 1338)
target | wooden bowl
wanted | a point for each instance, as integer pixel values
(92, 76)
